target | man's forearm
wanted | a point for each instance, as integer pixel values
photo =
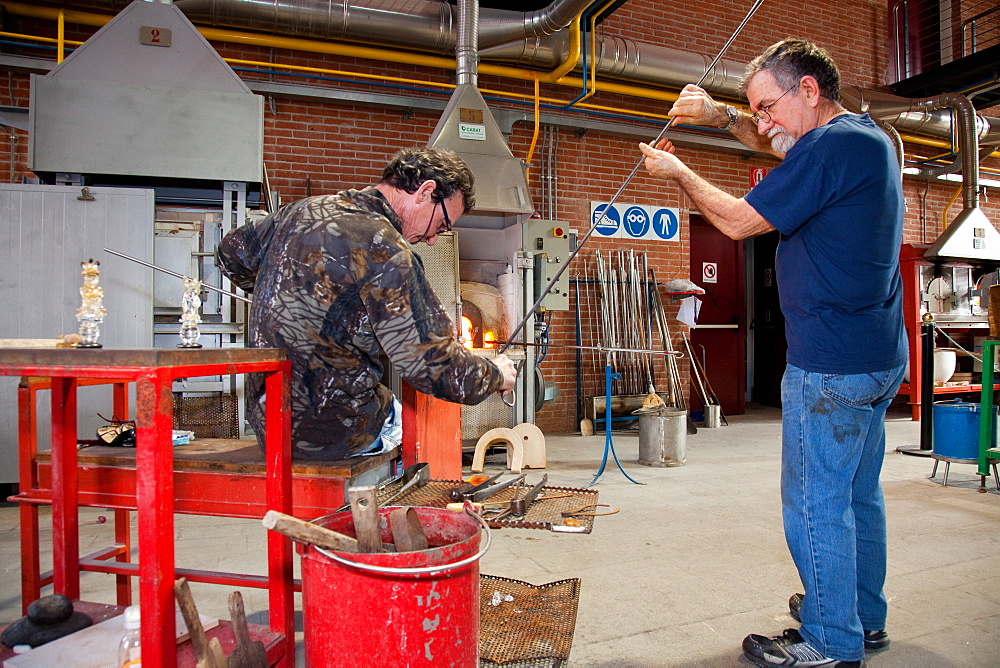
(730, 215)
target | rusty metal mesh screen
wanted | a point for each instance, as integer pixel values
(207, 417)
(544, 513)
(526, 625)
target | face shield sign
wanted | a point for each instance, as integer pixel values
(636, 222)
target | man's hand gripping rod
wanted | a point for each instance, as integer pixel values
(512, 339)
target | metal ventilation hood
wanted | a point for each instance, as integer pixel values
(468, 128)
(970, 236)
(146, 97)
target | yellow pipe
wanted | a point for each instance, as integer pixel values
(944, 214)
(534, 134)
(37, 38)
(61, 37)
(572, 58)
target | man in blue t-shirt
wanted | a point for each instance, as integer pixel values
(837, 202)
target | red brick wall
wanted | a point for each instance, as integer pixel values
(323, 147)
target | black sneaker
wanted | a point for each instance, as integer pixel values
(789, 649)
(874, 640)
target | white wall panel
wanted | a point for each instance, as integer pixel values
(45, 232)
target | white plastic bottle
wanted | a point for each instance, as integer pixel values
(129, 655)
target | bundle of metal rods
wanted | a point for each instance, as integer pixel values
(622, 308)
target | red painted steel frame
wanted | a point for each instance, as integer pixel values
(154, 371)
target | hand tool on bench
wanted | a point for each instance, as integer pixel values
(364, 509)
(311, 534)
(210, 654)
(407, 533)
(483, 490)
(247, 653)
(412, 477)
(518, 506)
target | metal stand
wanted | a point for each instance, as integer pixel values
(926, 391)
(609, 444)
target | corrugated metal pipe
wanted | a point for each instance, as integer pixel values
(467, 44)
(894, 110)
(520, 38)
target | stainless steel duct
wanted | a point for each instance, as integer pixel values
(467, 127)
(512, 37)
(970, 235)
(415, 24)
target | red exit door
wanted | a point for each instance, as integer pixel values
(719, 340)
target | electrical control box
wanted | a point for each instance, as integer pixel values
(550, 243)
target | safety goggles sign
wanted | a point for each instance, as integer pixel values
(634, 221)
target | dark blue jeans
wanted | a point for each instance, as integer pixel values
(833, 442)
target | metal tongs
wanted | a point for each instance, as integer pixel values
(519, 506)
(484, 490)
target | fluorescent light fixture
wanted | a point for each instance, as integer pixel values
(958, 179)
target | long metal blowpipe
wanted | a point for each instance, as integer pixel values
(512, 339)
(180, 276)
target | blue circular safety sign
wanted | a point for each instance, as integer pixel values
(636, 221)
(609, 225)
(665, 224)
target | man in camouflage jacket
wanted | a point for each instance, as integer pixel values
(336, 283)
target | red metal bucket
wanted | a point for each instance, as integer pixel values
(395, 609)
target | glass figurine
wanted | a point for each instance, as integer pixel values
(190, 314)
(91, 313)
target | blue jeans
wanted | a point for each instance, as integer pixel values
(833, 442)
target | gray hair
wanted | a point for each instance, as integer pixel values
(791, 59)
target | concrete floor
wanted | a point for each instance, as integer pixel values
(694, 561)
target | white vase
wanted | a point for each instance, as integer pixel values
(944, 364)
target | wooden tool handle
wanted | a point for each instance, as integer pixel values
(364, 508)
(407, 533)
(308, 533)
(190, 613)
(239, 618)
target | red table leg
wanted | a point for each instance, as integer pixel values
(155, 501)
(65, 521)
(278, 446)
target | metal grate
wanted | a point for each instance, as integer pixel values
(526, 625)
(544, 513)
(207, 417)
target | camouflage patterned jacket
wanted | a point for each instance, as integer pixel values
(335, 283)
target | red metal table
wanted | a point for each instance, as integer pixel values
(153, 372)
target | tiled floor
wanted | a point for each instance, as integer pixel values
(694, 561)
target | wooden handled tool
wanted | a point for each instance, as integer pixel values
(364, 508)
(209, 653)
(247, 653)
(308, 533)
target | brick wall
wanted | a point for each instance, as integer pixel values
(313, 147)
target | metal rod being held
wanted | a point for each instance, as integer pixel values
(562, 268)
(180, 276)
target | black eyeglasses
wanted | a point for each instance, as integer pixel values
(762, 113)
(447, 218)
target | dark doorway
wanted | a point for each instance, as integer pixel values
(719, 340)
(768, 325)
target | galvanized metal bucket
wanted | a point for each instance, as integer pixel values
(663, 437)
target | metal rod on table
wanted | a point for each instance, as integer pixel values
(569, 259)
(180, 276)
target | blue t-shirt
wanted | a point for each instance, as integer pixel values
(837, 201)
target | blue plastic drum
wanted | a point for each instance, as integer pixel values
(956, 429)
